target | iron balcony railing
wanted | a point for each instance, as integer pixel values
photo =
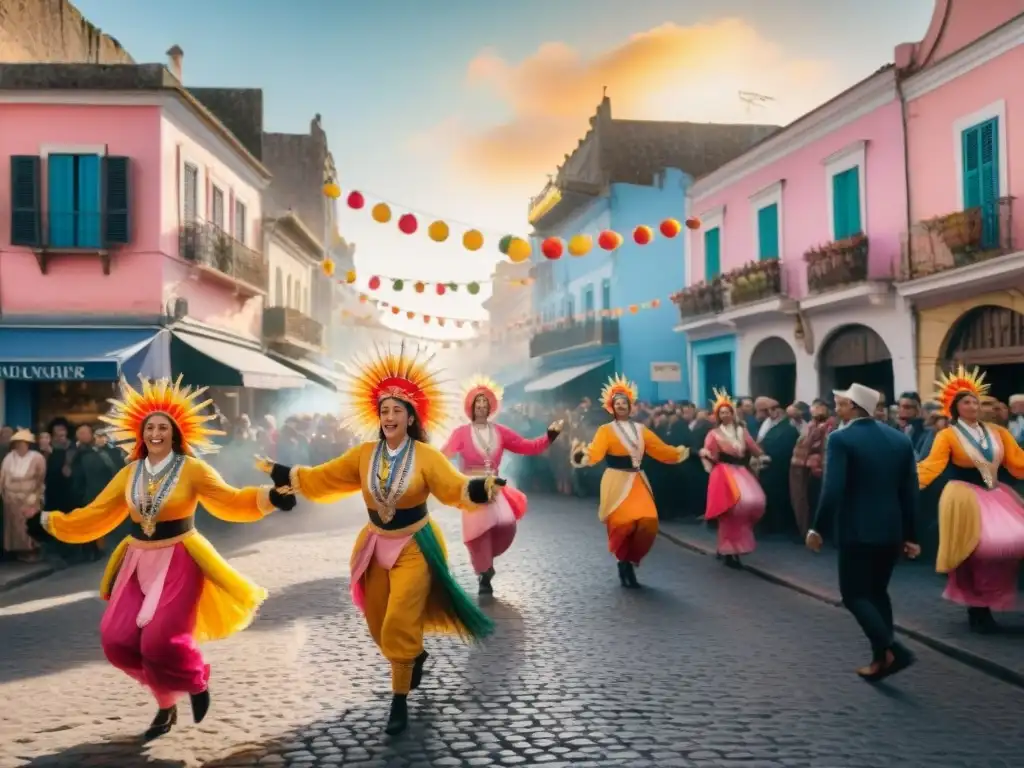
(958, 239)
(204, 243)
(602, 331)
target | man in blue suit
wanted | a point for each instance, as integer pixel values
(870, 493)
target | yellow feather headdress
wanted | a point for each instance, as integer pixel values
(722, 400)
(399, 373)
(180, 404)
(482, 385)
(949, 385)
(617, 386)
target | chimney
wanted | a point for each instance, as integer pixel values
(174, 57)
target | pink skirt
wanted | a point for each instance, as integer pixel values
(988, 578)
(489, 531)
(737, 501)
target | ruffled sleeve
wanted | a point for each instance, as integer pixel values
(929, 468)
(331, 481)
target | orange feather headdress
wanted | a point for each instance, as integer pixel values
(722, 400)
(617, 386)
(405, 375)
(482, 385)
(949, 385)
(179, 404)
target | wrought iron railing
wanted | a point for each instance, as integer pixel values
(204, 243)
(287, 324)
(603, 330)
(958, 239)
(702, 299)
(838, 264)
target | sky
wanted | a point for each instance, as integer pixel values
(460, 109)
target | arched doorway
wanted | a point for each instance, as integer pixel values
(991, 338)
(773, 370)
(855, 353)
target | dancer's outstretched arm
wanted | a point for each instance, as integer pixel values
(91, 522)
(235, 505)
(324, 483)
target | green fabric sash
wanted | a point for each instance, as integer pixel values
(472, 623)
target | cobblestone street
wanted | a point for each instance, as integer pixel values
(704, 667)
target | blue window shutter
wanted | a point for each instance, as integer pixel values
(768, 232)
(971, 145)
(712, 254)
(846, 204)
(853, 211)
(60, 178)
(988, 150)
(87, 234)
(26, 220)
(117, 199)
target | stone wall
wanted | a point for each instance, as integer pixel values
(54, 31)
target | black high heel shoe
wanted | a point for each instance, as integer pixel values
(162, 724)
(200, 706)
(398, 720)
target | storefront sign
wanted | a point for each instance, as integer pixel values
(666, 372)
(96, 370)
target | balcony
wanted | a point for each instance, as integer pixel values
(754, 282)
(217, 252)
(701, 299)
(571, 335)
(840, 264)
(284, 325)
(956, 240)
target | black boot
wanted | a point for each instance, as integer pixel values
(417, 670)
(200, 706)
(629, 573)
(163, 722)
(485, 582)
(981, 620)
(623, 574)
(398, 720)
(733, 561)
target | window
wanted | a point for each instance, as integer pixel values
(217, 208)
(240, 222)
(712, 253)
(768, 232)
(980, 146)
(846, 204)
(288, 295)
(190, 193)
(87, 201)
(278, 288)
(570, 308)
(606, 293)
(588, 299)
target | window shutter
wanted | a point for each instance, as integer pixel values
(988, 151)
(26, 222)
(61, 207)
(712, 255)
(853, 225)
(971, 140)
(88, 222)
(846, 204)
(117, 195)
(768, 232)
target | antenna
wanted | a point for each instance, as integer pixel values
(752, 99)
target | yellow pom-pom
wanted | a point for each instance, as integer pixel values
(381, 213)
(438, 231)
(473, 240)
(332, 190)
(519, 250)
(580, 245)
(328, 267)
(350, 276)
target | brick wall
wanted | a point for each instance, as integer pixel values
(54, 31)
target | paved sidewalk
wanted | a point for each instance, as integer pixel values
(14, 574)
(916, 590)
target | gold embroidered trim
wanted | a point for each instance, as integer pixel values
(293, 480)
(576, 447)
(143, 544)
(398, 533)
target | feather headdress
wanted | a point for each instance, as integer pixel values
(949, 385)
(617, 386)
(482, 385)
(179, 404)
(400, 373)
(722, 400)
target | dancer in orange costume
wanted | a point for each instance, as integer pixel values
(627, 502)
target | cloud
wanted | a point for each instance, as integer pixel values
(669, 72)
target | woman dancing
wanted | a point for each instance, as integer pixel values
(168, 588)
(981, 520)
(480, 445)
(399, 566)
(735, 498)
(626, 506)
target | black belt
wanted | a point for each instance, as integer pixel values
(402, 519)
(623, 463)
(165, 530)
(736, 461)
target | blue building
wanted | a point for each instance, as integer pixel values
(622, 174)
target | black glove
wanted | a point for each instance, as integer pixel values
(553, 435)
(283, 501)
(34, 525)
(478, 489)
(578, 456)
(281, 475)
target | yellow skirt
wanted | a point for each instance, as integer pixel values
(229, 601)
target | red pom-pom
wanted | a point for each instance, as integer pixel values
(407, 223)
(356, 200)
(552, 248)
(693, 222)
(642, 235)
(670, 228)
(440, 288)
(374, 283)
(609, 240)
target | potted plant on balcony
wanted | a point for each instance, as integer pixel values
(222, 252)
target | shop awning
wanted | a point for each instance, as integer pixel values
(556, 379)
(219, 362)
(510, 377)
(70, 353)
(315, 373)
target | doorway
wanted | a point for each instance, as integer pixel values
(991, 338)
(773, 371)
(855, 353)
(716, 374)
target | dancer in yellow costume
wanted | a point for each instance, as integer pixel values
(627, 502)
(167, 587)
(399, 567)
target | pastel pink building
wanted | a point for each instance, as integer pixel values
(963, 270)
(790, 273)
(133, 242)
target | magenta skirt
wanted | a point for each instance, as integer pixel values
(988, 578)
(489, 531)
(737, 501)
